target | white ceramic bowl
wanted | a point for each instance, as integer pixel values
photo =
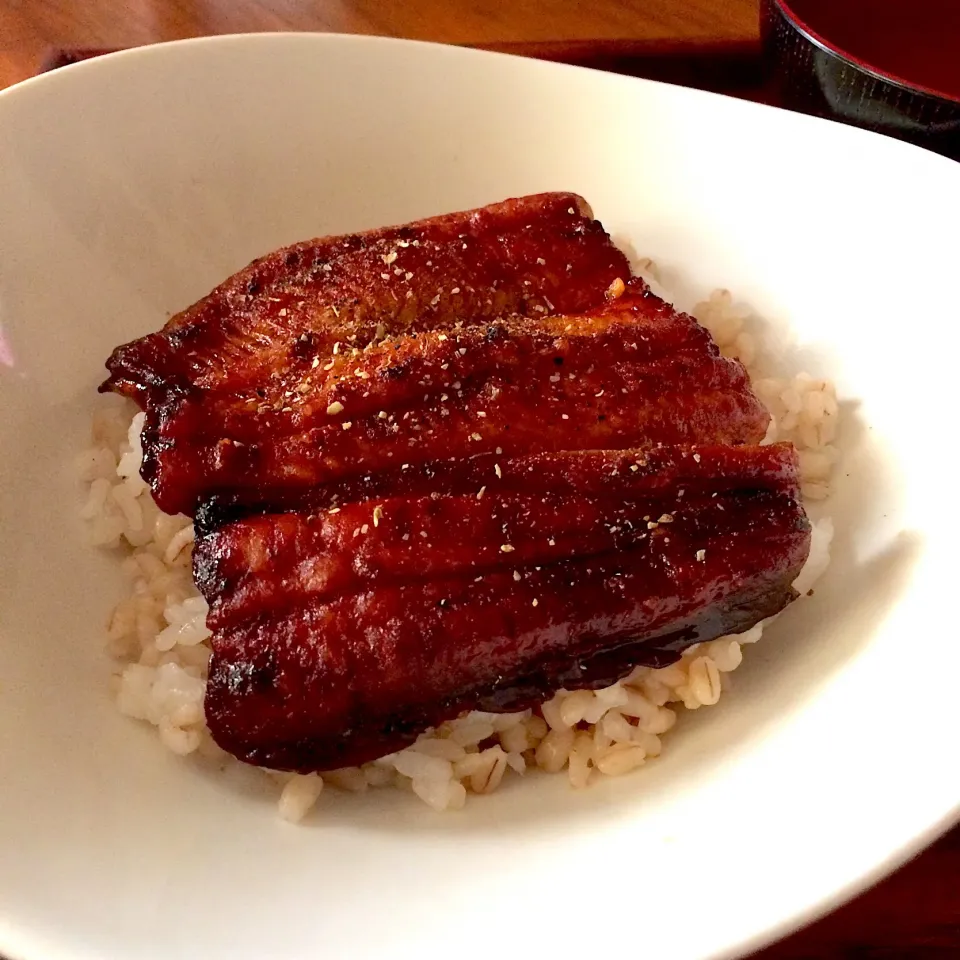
(130, 185)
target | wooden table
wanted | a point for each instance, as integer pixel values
(915, 914)
(29, 27)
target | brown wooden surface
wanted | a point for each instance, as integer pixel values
(913, 915)
(29, 27)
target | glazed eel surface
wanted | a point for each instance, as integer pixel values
(453, 465)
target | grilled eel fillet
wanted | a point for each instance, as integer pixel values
(340, 635)
(632, 372)
(531, 256)
(370, 431)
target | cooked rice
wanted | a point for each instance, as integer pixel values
(159, 637)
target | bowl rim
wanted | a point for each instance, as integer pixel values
(885, 76)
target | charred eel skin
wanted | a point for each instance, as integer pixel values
(340, 635)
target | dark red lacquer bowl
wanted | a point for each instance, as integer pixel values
(888, 65)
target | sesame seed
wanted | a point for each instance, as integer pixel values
(555, 378)
(423, 533)
(356, 532)
(563, 416)
(634, 468)
(406, 536)
(388, 258)
(382, 414)
(666, 518)
(541, 261)
(615, 289)
(535, 602)
(701, 555)
(481, 413)
(455, 290)
(652, 525)
(335, 408)
(506, 548)
(570, 210)
(365, 528)
(377, 514)
(336, 348)
(481, 492)
(316, 363)
(384, 276)
(499, 450)
(334, 510)
(552, 542)
(347, 424)
(475, 436)
(408, 275)
(497, 470)
(696, 458)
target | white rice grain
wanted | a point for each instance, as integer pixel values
(298, 796)
(351, 779)
(486, 778)
(418, 766)
(444, 749)
(620, 758)
(553, 752)
(182, 538)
